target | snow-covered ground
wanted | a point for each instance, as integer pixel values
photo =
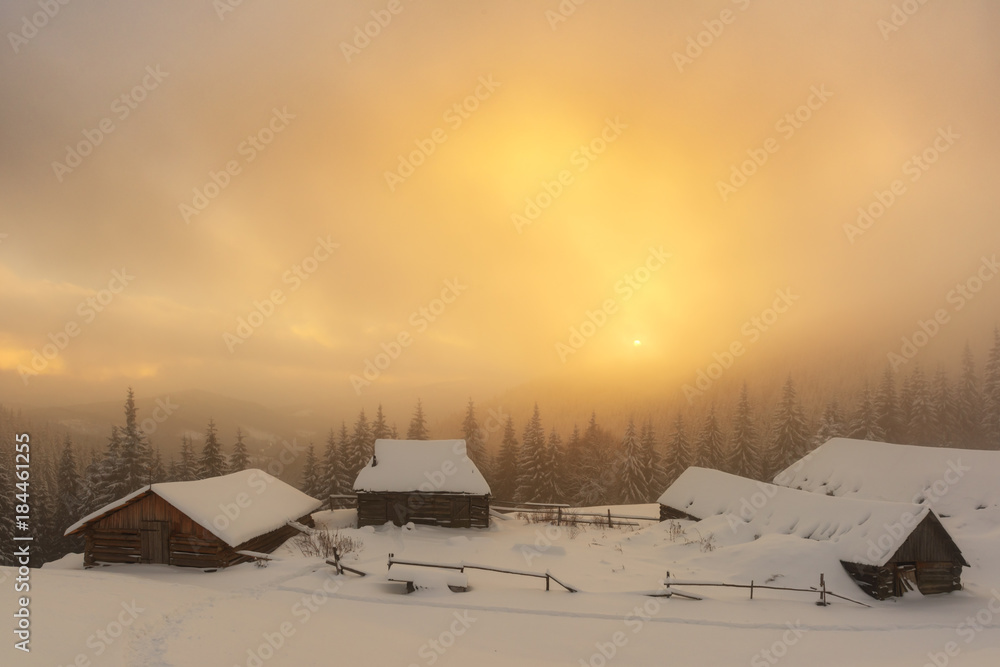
(297, 612)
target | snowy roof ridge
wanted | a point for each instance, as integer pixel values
(421, 465)
(867, 532)
(235, 508)
(951, 481)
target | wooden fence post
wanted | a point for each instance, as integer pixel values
(609, 517)
(751, 589)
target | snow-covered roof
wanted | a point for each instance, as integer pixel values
(953, 482)
(235, 507)
(421, 465)
(868, 532)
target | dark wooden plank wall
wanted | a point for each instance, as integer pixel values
(929, 542)
(454, 510)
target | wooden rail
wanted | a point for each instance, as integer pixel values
(823, 592)
(462, 567)
(561, 515)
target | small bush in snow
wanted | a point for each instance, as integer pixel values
(321, 543)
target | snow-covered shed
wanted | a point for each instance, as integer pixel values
(953, 482)
(888, 548)
(203, 523)
(424, 481)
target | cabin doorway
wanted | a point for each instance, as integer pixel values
(461, 512)
(155, 542)
(906, 578)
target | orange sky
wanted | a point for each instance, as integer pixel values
(237, 163)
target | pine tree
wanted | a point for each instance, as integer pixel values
(865, 423)
(70, 494)
(474, 445)
(357, 454)
(571, 465)
(134, 452)
(991, 395)
(109, 483)
(746, 439)
(240, 459)
(712, 443)
(506, 467)
(330, 475)
(187, 468)
(380, 429)
(651, 459)
(831, 425)
(346, 459)
(680, 452)
(45, 520)
(553, 488)
(968, 403)
(942, 410)
(533, 458)
(790, 433)
(597, 468)
(633, 486)
(921, 424)
(418, 425)
(157, 473)
(311, 474)
(212, 462)
(905, 411)
(886, 408)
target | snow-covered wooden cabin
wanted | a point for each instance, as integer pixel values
(430, 482)
(954, 482)
(888, 548)
(203, 523)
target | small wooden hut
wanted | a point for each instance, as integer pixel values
(204, 523)
(887, 548)
(431, 482)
